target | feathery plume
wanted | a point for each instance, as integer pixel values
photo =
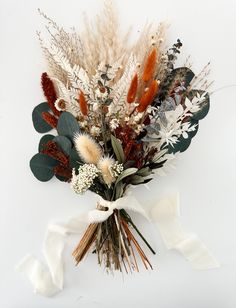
(104, 165)
(83, 104)
(49, 92)
(132, 89)
(87, 148)
(148, 96)
(50, 119)
(149, 66)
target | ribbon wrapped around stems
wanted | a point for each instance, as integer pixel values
(164, 214)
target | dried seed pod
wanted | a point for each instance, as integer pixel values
(49, 92)
(149, 66)
(83, 104)
(50, 119)
(132, 89)
(148, 96)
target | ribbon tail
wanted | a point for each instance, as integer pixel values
(165, 214)
(48, 280)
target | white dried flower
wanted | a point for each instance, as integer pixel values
(60, 104)
(114, 123)
(95, 131)
(96, 107)
(88, 149)
(116, 169)
(84, 179)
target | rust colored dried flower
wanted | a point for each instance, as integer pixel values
(149, 66)
(53, 150)
(63, 171)
(132, 89)
(83, 104)
(50, 119)
(148, 96)
(49, 92)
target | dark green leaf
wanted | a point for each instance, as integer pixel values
(42, 166)
(64, 143)
(205, 104)
(75, 161)
(67, 125)
(39, 124)
(181, 145)
(44, 140)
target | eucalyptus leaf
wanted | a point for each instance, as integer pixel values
(204, 105)
(74, 159)
(39, 123)
(118, 150)
(42, 166)
(67, 125)
(64, 143)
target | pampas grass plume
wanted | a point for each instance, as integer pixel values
(104, 165)
(87, 148)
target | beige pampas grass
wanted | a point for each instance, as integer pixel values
(87, 148)
(104, 165)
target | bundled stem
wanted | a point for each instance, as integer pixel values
(114, 243)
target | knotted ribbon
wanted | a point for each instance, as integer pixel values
(164, 214)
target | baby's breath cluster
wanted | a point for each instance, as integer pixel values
(84, 179)
(116, 169)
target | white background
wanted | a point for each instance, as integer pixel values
(205, 174)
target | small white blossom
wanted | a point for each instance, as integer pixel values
(95, 131)
(84, 179)
(116, 169)
(114, 123)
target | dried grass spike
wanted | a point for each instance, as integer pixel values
(50, 119)
(104, 165)
(148, 96)
(87, 148)
(49, 92)
(132, 90)
(83, 104)
(149, 66)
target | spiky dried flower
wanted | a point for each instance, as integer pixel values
(150, 65)
(132, 89)
(83, 104)
(87, 148)
(49, 92)
(50, 119)
(148, 96)
(82, 181)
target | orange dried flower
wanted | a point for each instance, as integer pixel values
(132, 89)
(148, 96)
(50, 119)
(149, 66)
(49, 92)
(83, 104)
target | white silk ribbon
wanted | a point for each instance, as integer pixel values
(164, 214)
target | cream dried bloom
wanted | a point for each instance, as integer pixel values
(110, 169)
(88, 149)
(84, 179)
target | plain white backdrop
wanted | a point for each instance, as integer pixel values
(205, 174)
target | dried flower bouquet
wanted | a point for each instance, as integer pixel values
(120, 114)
